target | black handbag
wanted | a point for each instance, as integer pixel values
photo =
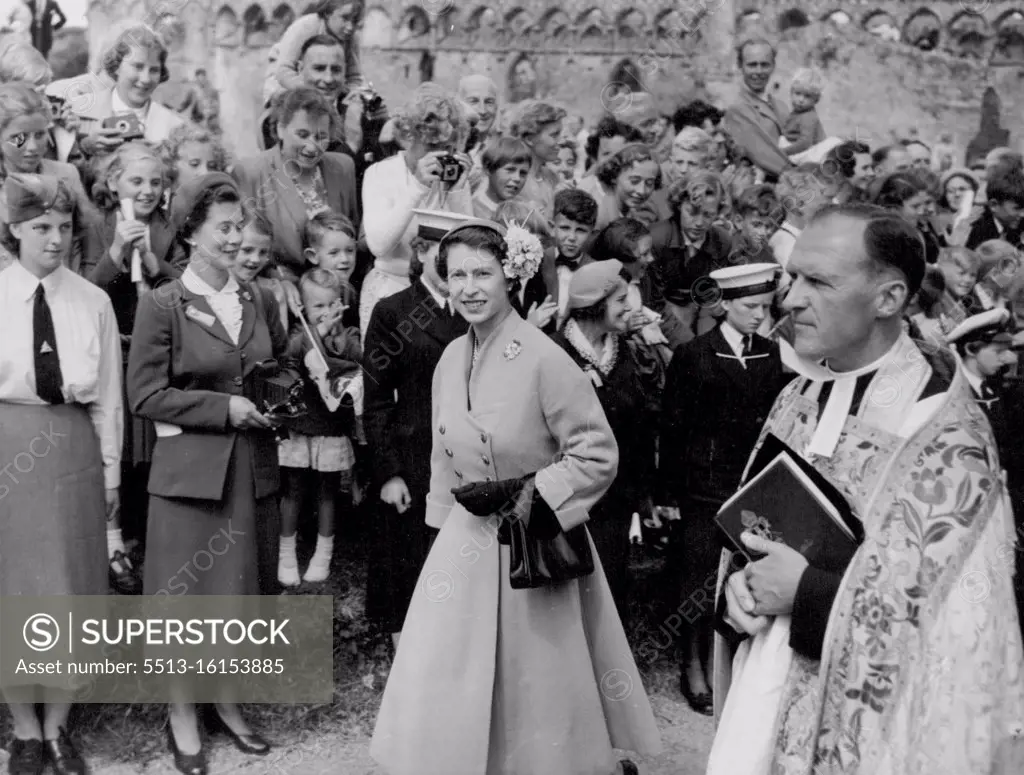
(546, 562)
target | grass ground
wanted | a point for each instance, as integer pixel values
(134, 734)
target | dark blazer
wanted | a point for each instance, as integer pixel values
(713, 412)
(266, 186)
(680, 280)
(183, 369)
(405, 338)
(43, 27)
(985, 229)
(117, 281)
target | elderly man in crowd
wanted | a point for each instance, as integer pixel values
(755, 120)
(480, 95)
(906, 658)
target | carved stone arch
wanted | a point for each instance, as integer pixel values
(792, 19)
(747, 22)
(517, 24)
(483, 25)
(556, 27)
(227, 29)
(415, 23)
(592, 27)
(1009, 47)
(668, 26)
(881, 24)
(631, 24)
(280, 20)
(922, 30)
(377, 30)
(446, 25)
(837, 18)
(171, 31)
(256, 27)
(626, 77)
(968, 34)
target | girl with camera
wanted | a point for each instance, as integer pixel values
(430, 174)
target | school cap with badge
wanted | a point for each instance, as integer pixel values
(27, 196)
(735, 282)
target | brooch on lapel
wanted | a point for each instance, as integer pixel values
(199, 316)
(246, 295)
(512, 350)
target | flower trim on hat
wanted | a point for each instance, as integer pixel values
(525, 253)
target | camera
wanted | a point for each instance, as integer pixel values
(277, 392)
(127, 125)
(451, 170)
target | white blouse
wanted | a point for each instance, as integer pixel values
(225, 303)
(88, 344)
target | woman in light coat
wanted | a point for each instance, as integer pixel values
(490, 680)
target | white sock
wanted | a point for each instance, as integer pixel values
(288, 563)
(320, 564)
(114, 541)
(286, 554)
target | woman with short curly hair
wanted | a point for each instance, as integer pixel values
(623, 185)
(539, 125)
(136, 62)
(431, 174)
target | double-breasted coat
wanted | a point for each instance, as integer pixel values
(714, 408)
(488, 679)
(183, 369)
(404, 341)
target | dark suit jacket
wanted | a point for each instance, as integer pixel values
(266, 187)
(183, 369)
(405, 338)
(713, 412)
(680, 281)
(985, 229)
(44, 26)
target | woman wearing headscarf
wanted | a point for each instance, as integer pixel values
(60, 402)
(495, 675)
(596, 336)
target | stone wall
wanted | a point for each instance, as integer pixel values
(680, 50)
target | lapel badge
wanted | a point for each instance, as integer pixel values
(512, 350)
(246, 295)
(199, 316)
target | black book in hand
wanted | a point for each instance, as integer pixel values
(782, 503)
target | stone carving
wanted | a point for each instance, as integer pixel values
(227, 31)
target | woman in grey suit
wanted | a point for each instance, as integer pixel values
(194, 348)
(489, 679)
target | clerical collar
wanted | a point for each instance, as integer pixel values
(840, 400)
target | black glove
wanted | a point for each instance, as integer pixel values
(486, 498)
(543, 523)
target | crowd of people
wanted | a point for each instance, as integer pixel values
(506, 327)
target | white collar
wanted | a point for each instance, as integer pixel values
(733, 337)
(117, 105)
(973, 380)
(200, 287)
(25, 283)
(442, 302)
(609, 349)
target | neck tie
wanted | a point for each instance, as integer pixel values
(987, 393)
(746, 345)
(44, 341)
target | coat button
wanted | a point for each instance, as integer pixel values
(441, 430)
(483, 438)
(242, 356)
(458, 474)
(487, 460)
(237, 381)
(448, 452)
